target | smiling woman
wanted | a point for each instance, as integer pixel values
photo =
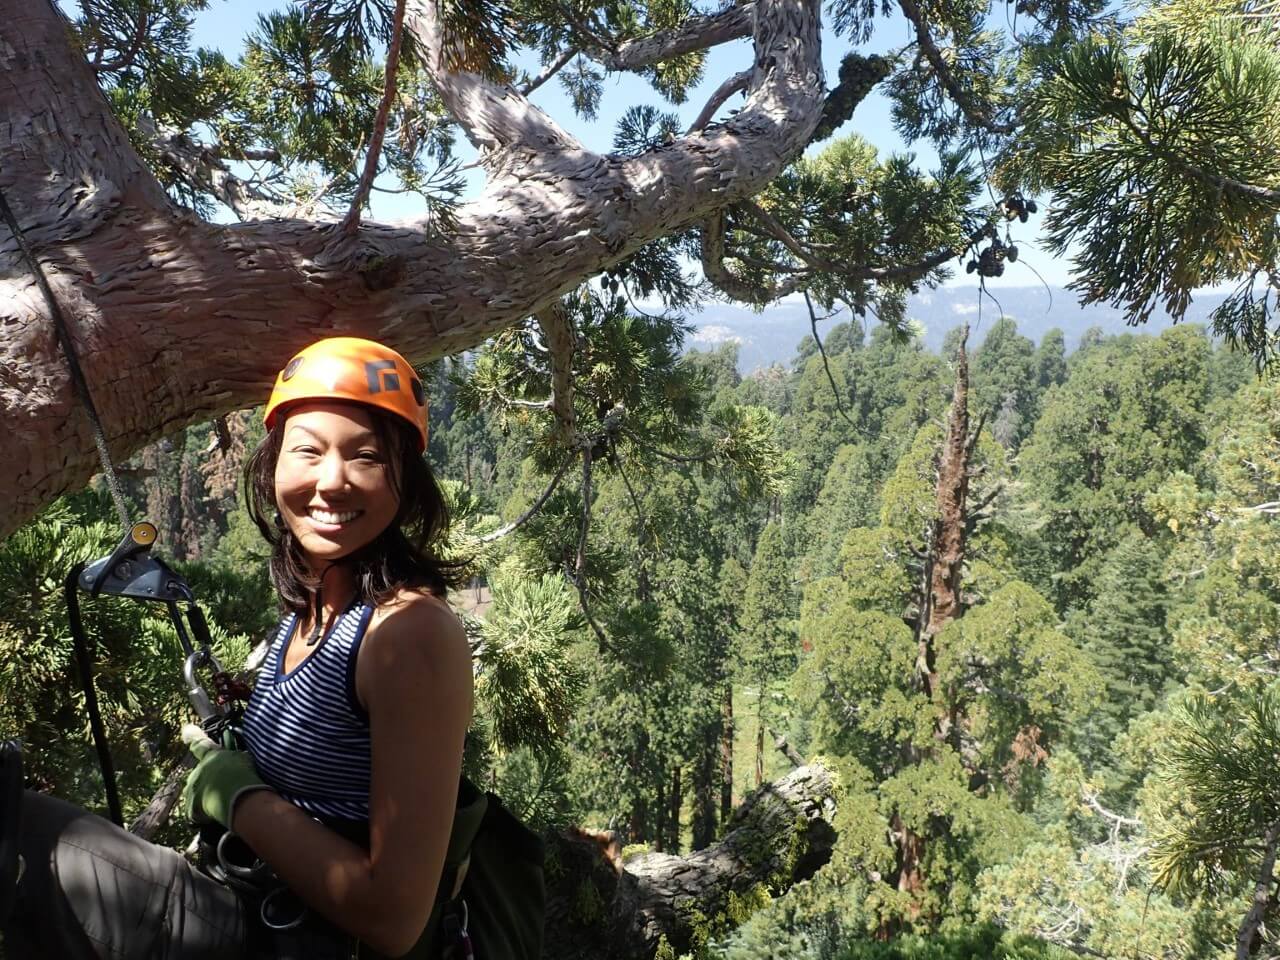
(349, 782)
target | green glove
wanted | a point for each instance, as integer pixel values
(221, 777)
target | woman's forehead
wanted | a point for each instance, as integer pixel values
(329, 417)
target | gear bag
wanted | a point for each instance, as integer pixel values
(492, 893)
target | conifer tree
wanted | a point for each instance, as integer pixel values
(1123, 631)
(768, 646)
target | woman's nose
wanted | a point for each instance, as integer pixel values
(332, 477)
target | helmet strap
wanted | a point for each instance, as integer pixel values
(318, 627)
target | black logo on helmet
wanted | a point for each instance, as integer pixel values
(382, 375)
(418, 395)
(291, 369)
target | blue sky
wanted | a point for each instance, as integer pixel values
(226, 23)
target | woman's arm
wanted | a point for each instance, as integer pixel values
(414, 676)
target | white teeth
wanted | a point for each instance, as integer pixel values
(324, 516)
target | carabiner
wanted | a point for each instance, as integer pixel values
(265, 908)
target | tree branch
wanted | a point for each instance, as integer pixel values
(352, 219)
(835, 391)
(1262, 896)
(977, 114)
(130, 53)
(712, 249)
(533, 509)
(132, 271)
(494, 117)
(549, 71)
(735, 84)
(816, 261)
(202, 168)
(695, 33)
(558, 333)
(858, 76)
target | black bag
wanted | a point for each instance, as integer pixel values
(492, 896)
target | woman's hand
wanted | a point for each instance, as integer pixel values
(221, 777)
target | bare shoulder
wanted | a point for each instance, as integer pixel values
(414, 634)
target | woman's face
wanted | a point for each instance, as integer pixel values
(334, 479)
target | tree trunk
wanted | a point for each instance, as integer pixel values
(705, 775)
(760, 735)
(940, 604)
(726, 757)
(177, 320)
(947, 547)
(781, 834)
(660, 815)
(673, 816)
(1263, 896)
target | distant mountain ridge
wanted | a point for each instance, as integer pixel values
(771, 336)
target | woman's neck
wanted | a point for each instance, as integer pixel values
(335, 591)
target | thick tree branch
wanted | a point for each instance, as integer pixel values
(858, 76)
(695, 33)
(162, 305)
(374, 154)
(557, 330)
(780, 834)
(977, 114)
(735, 84)
(494, 117)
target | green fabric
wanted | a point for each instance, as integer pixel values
(219, 779)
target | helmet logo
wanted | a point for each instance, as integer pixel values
(291, 369)
(382, 375)
(418, 395)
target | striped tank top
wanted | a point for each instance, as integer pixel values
(306, 730)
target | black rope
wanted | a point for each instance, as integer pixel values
(84, 661)
(73, 361)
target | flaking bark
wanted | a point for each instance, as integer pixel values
(178, 320)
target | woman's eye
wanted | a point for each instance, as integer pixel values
(369, 456)
(309, 451)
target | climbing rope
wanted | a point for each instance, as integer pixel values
(73, 361)
(83, 653)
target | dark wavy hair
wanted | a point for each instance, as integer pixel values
(403, 555)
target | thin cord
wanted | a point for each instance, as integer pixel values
(73, 362)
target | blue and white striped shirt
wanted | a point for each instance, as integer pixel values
(306, 730)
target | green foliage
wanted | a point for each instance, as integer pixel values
(137, 662)
(864, 214)
(1006, 382)
(1123, 631)
(1094, 457)
(528, 685)
(1163, 159)
(1220, 762)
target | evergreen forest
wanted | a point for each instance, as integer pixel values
(884, 653)
(998, 625)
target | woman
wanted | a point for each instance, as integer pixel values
(355, 730)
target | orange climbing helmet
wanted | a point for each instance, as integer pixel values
(348, 368)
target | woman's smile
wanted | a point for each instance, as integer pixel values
(333, 479)
(332, 518)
